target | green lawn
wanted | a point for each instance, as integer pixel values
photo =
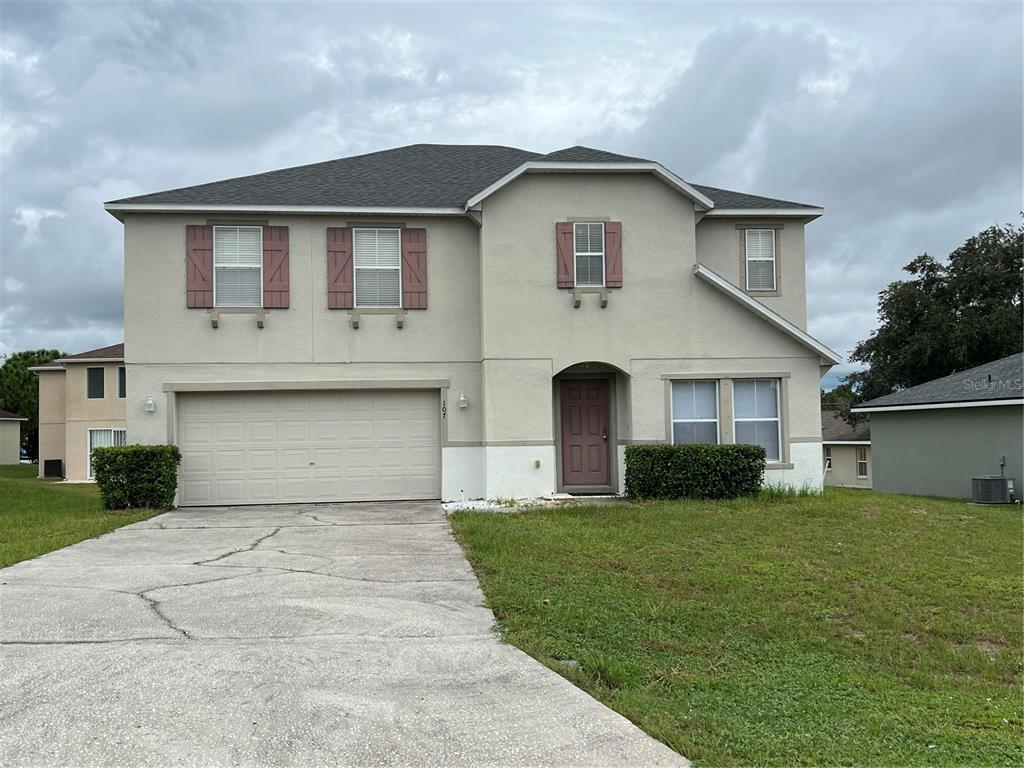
(857, 628)
(39, 516)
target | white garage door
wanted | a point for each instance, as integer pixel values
(267, 447)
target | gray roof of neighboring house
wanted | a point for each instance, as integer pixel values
(9, 416)
(419, 175)
(834, 428)
(999, 380)
(113, 352)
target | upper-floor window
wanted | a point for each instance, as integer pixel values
(588, 247)
(862, 461)
(94, 383)
(122, 383)
(755, 404)
(760, 259)
(694, 412)
(378, 267)
(238, 266)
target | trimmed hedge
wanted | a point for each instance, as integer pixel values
(137, 476)
(693, 471)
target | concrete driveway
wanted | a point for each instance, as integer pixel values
(289, 635)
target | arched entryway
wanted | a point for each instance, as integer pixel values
(591, 418)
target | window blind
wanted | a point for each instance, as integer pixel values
(588, 240)
(238, 266)
(377, 258)
(760, 259)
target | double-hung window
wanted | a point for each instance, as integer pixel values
(760, 257)
(588, 254)
(103, 438)
(755, 404)
(828, 458)
(694, 412)
(862, 461)
(94, 389)
(122, 383)
(238, 266)
(378, 267)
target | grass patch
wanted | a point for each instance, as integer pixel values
(39, 516)
(849, 628)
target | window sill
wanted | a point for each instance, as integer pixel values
(778, 465)
(356, 313)
(216, 312)
(763, 294)
(577, 295)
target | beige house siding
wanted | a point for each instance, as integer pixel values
(844, 466)
(66, 415)
(52, 416)
(10, 442)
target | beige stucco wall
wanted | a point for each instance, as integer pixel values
(51, 416)
(10, 442)
(166, 342)
(662, 321)
(720, 247)
(844, 467)
(66, 415)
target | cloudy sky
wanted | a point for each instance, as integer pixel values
(903, 120)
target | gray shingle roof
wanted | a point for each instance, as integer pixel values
(416, 176)
(9, 416)
(726, 198)
(998, 380)
(835, 429)
(113, 352)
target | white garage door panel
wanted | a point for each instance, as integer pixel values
(267, 447)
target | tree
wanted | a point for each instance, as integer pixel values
(19, 391)
(839, 397)
(948, 318)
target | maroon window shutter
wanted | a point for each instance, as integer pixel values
(340, 293)
(414, 268)
(564, 253)
(275, 267)
(198, 266)
(613, 254)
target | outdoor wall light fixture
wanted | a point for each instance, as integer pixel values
(463, 402)
(149, 406)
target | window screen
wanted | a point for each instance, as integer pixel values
(94, 383)
(238, 266)
(756, 414)
(588, 239)
(694, 412)
(760, 259)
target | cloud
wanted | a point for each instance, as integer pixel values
(907, 130)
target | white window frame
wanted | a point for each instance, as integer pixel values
(858, 450)
(748, 259)
(89, 446)
(121, 395)
(355, 282)
(103, 381)
(672, 416)
(828, 458)
(602, 253)
(778, 415)
(216, 303)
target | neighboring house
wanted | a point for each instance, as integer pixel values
(458, 322)
(81, 406)
(933, 438)
(10, 437)
(846, 450)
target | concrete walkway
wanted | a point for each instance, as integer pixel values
(287, 635)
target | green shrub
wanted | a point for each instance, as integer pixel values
(137, 476)
(693, 471)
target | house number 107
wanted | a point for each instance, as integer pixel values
(444, 410)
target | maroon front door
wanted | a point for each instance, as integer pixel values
(585, 457)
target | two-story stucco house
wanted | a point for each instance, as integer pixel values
(460, 322)
(81, 406)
